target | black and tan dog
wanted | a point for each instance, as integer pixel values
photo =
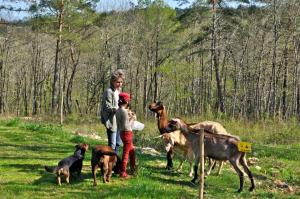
(69, 165)
(108, 161)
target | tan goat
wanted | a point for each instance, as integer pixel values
(179, 139)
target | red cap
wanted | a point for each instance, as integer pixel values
(124, 96)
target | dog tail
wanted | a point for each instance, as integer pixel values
(51, 169)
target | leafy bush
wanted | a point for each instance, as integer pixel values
(78, 139)
(13, 122)
(43, 128)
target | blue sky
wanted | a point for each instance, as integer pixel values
(104, 5)
(121, 4)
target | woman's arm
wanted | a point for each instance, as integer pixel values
(108, 101)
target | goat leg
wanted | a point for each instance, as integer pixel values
(234, 163)
(169, 159)
(195, 174)
(211, 166)
(220, 167)
(241, 184)
(243, 162)
(252, 184)
(185, 155)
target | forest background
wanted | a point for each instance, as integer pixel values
(207, 59)
(234, 62)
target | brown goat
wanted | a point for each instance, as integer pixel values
(179, 140)
(216, 146)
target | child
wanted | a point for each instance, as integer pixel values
(124, 123)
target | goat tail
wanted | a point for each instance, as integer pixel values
(51, 169)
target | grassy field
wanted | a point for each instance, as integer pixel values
(25, 147)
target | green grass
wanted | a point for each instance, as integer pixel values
(25, 147)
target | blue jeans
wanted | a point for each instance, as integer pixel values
(114, 139)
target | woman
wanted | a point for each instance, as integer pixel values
(109, 107)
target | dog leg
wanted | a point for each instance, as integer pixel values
(67, 176)
(94, 172)
(105, 171)
(68, 179)
(58, 179)
(109, 172)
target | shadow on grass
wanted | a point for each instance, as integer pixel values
(172, 181)
(20, 157)
(35, 168)
(50, 178)
(36, 148)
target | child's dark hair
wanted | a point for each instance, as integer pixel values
(122, 102)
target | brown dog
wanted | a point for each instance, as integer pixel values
(69, 165)
(105, 158)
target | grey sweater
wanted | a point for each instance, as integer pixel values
(108, 103)
(123, 122)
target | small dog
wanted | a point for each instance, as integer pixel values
(69, 165)
(108, 161)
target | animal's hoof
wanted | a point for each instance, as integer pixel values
(95, 184)
(240, 190)
(169, 168)
(251, 189)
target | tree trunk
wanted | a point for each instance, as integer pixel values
(215, 59)
(285, 77)
(57, 52)
(70, 83)
(273, 85)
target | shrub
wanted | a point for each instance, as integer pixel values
(78, 139)
(13, 122)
